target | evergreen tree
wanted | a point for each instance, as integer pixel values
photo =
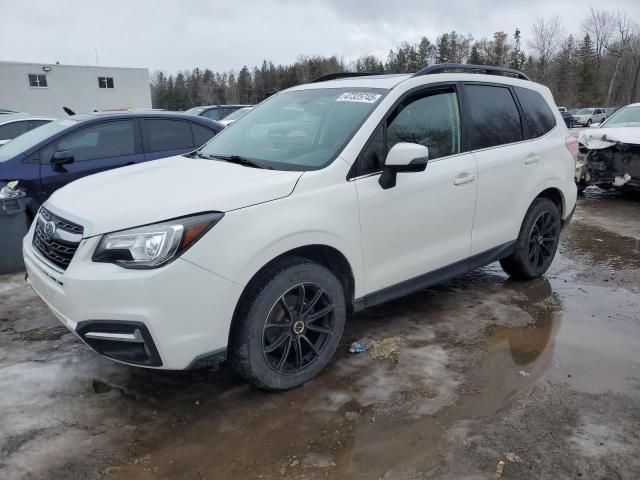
(586, 73)
(517, 58)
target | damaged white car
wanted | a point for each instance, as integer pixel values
(610, 154)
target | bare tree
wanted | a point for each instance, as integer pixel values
(623, 38)
(599, 25)
(544, 43)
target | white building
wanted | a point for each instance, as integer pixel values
(43, 89)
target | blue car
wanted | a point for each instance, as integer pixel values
(53, 155)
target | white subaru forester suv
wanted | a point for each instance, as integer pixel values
(325, 199)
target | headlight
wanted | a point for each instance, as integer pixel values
(152, 246)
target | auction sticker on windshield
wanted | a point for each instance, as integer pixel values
(362, 97)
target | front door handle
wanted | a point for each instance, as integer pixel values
(464, 178)
(529, 159)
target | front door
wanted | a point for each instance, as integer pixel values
(423, 223)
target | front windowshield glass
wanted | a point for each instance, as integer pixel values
(585, 111)
(626, 117)
(298, 130)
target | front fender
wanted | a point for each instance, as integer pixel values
(247, 239)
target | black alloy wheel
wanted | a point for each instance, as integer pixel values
(298, 328)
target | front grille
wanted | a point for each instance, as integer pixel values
(56, 250)
(60, 222)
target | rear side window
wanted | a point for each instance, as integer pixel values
(494, 116)
(11, 130)
(167, 134)
(539, 117)
(201, 135)
(102, 140)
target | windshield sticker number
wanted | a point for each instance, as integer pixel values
(363, 97)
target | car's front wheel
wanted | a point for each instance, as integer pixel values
(289, 325)
(537, 241)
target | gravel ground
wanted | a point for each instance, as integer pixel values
(543, 375)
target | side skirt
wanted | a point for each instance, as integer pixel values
(437, 276)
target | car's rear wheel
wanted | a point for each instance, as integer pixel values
(289, 325)
(537, 241)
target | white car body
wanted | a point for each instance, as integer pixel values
(464, 206)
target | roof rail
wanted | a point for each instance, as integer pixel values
(338, 75)
(457, 67)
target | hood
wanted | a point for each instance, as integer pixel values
(598, 138)
(163, 189)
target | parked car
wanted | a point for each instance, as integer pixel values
(215, 112)
(586, 116)
(568, 118)
(327, 198)
(5, 111)
(610, 111)
(232, 117)
(12, 126)
(47, 158)
(610, 154)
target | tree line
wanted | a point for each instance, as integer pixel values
(599, 66)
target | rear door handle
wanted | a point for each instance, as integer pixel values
(529, 159)
(461, 180)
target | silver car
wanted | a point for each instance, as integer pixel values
(586, 116)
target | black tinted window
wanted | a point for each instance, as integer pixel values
(12, 130)
(103, 140)
(372, 157)
(167, 135)
(537, 113)
(431, 120)
(495, 117)
(201, 135)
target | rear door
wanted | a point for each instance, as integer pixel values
(164, 137)
(506, 163)
(96, 148)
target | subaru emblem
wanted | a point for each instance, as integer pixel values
(49, 229)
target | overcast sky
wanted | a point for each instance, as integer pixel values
(174, 35)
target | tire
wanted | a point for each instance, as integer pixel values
(588, 123)
(279, 342)
(581, 186)
(524, 263)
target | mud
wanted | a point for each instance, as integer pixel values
(544, 375)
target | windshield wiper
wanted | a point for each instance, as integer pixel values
(235, 159)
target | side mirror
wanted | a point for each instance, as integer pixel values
(403, 157)
(62, 158)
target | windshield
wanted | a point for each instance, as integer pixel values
(585, 111)
(31, 138)
(194, 111)
(625, 117)
(297, 130)
(238, 113)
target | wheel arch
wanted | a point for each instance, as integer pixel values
(325, 255)
(556, 196)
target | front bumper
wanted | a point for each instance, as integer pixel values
(184, 309)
